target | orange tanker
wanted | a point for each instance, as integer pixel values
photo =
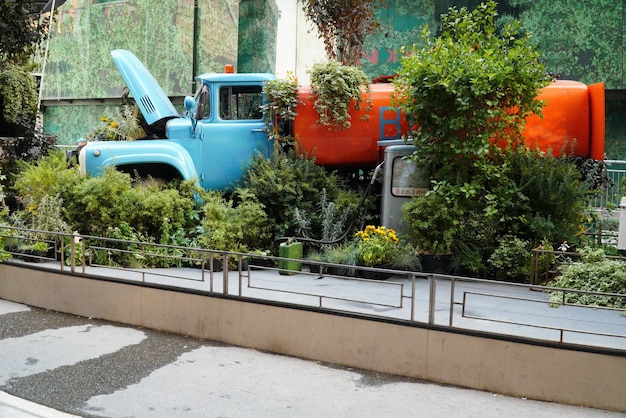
(573, 122)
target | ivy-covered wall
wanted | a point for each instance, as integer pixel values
(160, 33)
(257, 36)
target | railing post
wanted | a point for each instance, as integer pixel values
(73, 253)
(621, 236)
(413, 297)
(83, 247)
(432, 299)
(452, 286)
(225, 273)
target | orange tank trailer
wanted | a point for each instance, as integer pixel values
(573, 122)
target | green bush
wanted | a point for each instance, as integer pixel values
(287, 181)
(98, 203)
(48, 176)
(511, 259)
(237, 224)
(593, 273)
(433, 223)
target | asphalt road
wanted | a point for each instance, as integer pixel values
(94, 368)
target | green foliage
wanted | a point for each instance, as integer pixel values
(553, 199)
(377, 245)
(45, 215)
(469, 91)
(280, 106)
(93, 207)
(287, 181)
(533, 197)
(20, 31)
(433, 223)
(593, 273)
(100, 202)
(511, 259)
(329, 219)
(346, 253)
(18, 92)
(469, 85)
(122, 127)
(335, 88)
(237, 224)
(48, 176)
(343, 25)
(574, 45)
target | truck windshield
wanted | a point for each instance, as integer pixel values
(241, 102)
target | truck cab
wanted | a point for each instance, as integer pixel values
(216, 135)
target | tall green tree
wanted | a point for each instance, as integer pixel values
(21, 31)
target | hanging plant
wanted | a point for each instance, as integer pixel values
(281, 101)
(335, 87)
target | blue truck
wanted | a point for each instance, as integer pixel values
(220, 130)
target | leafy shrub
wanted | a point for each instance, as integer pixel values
(472, 83)
(48, 176)
(554, 198)
(593, 273)
(280, 106)
(288, 181)
(511, 259)
(100, 202)
(328, 221)
(433, 223)
(237, 224)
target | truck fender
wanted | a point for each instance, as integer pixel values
(95, 157)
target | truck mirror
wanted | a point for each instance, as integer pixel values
(189, 104)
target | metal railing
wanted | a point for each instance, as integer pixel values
(435, 299)
(616, 172)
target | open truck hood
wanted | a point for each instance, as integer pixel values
(150, 97)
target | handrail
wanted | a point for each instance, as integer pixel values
(399, 298)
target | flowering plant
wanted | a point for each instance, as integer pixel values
(377, 245)
(123, 127)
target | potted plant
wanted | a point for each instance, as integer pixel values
(335, 88)
(407, 259)
(279, 108)
(314, 257)
(35, 251)
(345, 255)
(377, 246)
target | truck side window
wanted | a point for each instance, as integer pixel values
(202, 102)
(241, 102)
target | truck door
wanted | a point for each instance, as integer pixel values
(236, 132)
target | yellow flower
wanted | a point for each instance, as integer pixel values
(112, 125)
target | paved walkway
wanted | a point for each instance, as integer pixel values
(94, 368)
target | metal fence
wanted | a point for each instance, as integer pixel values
(521, 310)
(616, 172)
